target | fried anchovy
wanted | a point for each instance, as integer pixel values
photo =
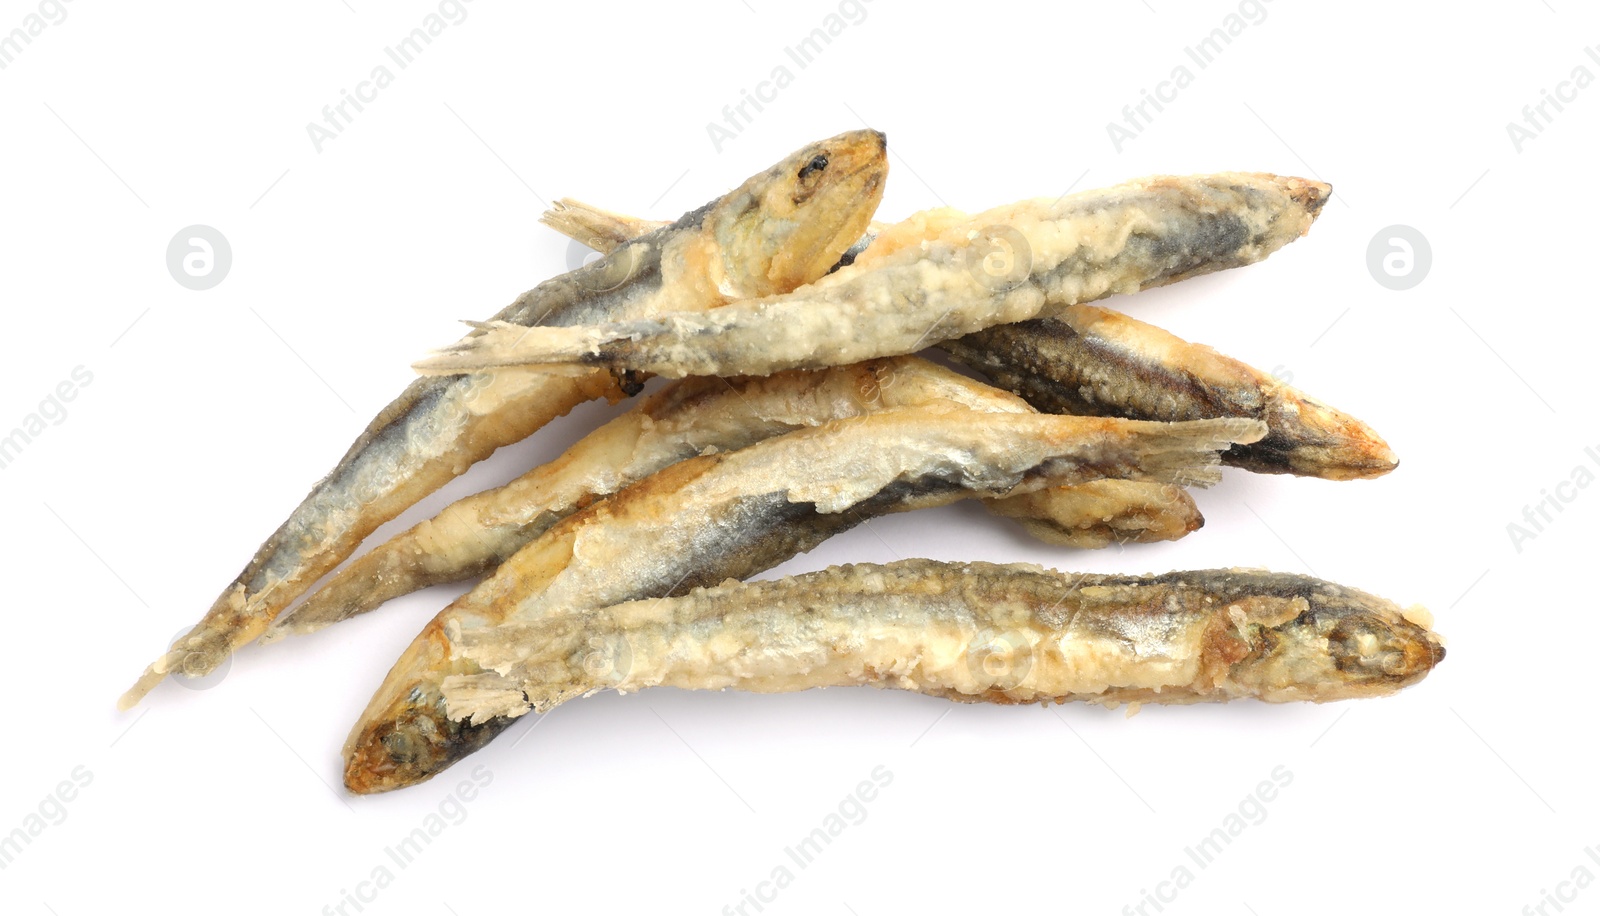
(972, 632)
(777, 231)
(734, 514)
(1091, 360)
(701, 415)
(941, 280)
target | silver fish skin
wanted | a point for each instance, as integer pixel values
(778, 230)
(1094, 361)
(971, 632)
(735, 514)
(950, 276)
(702, 415)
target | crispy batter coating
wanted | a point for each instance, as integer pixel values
(938, 276)
(780, 229)
(1095, 361)
(973, 632)
(1104, 512)
(735, 514)
(698, 416)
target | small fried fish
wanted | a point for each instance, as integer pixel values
(1094, 361)
(940, 276)
(702, 415)
(782, 228)
(737, 513)
(971, 632)
(1097, 362)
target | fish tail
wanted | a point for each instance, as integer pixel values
(599, 229)
(229, 626)
(1188, 453)
(499, 345)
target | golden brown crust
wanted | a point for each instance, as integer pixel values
(702, 415)
(973, 632)
(1089, 360)
(1008, 264)
(733, 514)
(735, 246)
(1095, 361)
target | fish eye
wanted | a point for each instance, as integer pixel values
(817, 164)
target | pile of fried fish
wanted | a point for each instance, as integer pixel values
(788, 323)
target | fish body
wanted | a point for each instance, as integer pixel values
(733, 514)
(1096, 362)
(780, 229)
(702, 415)
(1089, 360)
(942, 276)
(971, 632)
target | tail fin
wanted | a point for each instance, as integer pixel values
(1188, 453)
(501, 345)
(600, 229)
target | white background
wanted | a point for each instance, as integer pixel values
(210, 414)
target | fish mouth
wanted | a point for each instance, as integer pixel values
(412, 747)
(1399, 653)
(858, 137)
(873, 181)
(1315, 440)
(870, 151)
(405, 736)
(1311, 195)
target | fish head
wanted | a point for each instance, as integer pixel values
(1315, 440)
(790, 224)
(1341, 647)
(405, 736)
(1385, 653)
